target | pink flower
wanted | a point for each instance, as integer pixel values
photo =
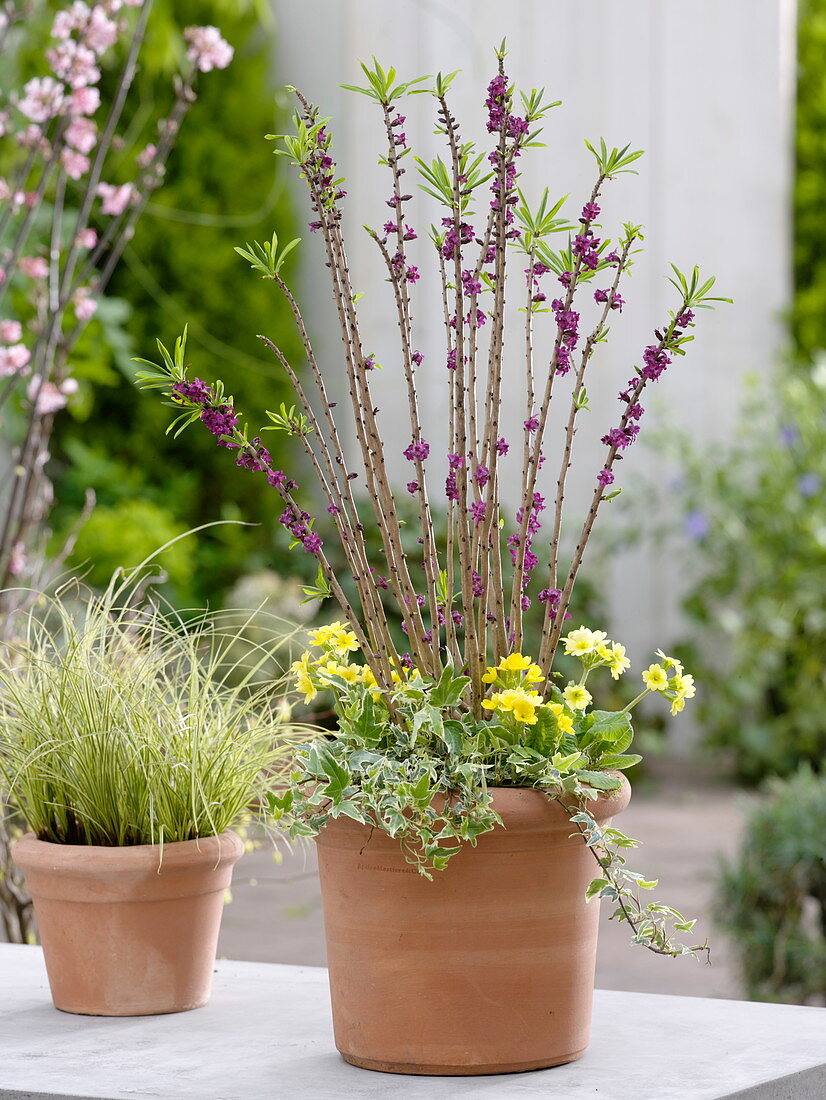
(10, 332)
(146, 157)
(101, 32)
(35, 267)
(84, 101)
(14, 359)
(50, 398)
(31, 136)
(17, 559)
(116, 199)
(82, 134)
(66, 21)
(85, 305)
(74, 164)
(74, 63)
(88, 238)
(42, 99)
(207, 49)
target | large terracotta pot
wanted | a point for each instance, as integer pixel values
(129, 931)
(489, 968)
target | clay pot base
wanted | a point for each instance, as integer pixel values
(129, 1012)
(412, 1069)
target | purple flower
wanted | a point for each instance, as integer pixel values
(617, 302)
(332, 509)
(808, 485)
(496, 103)
(412, 487)
(656, 360)
(451, 359)
(601, 295)
(417, 451)
(532, 423)
(196, 391)
(696, 525)
(525, 602)
(412, 274)
(477, 587)
(389, 227)
(417, 358)
(478, 511)
(590, 211)
(620, 438)
(221, 420)
(470, 284)
(550, 597)
(455, 462)
(502, 446)
(789, 434)
(605, 477)
(563, 360)
(685, 318)
(481, 476)
(451, 489)
(312, 543)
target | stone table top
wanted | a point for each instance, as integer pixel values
(267, 1034)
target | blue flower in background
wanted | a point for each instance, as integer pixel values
(789, 434)
(696, 525)
(808, 485)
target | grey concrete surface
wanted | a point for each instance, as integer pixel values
(685, 823)
(266, 1034)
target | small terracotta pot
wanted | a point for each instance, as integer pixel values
(129, 931)
(489, 968)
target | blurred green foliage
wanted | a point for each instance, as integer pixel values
(771, 897)
(757, 514)
(809, 307)
(223, 186)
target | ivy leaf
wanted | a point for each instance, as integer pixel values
(449, 689)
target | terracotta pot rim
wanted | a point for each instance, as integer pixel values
(31, 852)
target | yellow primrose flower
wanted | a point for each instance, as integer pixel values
(683, 684)
(564, 722)
(576, 696)
(301, 672)
(618, 662)
(344, 641)
(655, 678)
(670, 662)
(678, 704)
(490, 676)
(515, 663)
(533, 675)
(368, 677)
(494, 703)
(324, 635)
(582, 641)
(604, 651)
(524, 710)
(516, 701)
(348, 673)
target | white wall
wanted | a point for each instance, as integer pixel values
(704, 86)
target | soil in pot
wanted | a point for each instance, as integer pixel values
(489, 968)
(129, 931)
